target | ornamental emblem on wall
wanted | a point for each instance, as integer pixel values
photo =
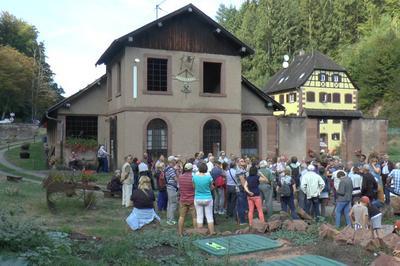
(185, 74)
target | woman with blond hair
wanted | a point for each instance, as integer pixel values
(143, 205)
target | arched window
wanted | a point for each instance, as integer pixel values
(157, 138)
(212, 137)
(249, 138)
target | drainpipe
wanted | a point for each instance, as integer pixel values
(62, 134)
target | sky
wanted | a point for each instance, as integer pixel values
(77, 32)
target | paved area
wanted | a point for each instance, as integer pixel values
(3, 161)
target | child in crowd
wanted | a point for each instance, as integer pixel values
(374, 215)
(359, 215)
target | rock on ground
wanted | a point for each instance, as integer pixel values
(385, 260)
(395, 204)
(328, 231)
(303, 215)
(258, 227)
(295, 225)
(391, 241)
(344, 235)
(274, 225)
(197, 231)
(372, 244)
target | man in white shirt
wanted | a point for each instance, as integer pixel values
(127, 181)
(312, 184)
(210, 164)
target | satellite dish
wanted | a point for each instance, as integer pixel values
(286, 57)
(285, 64)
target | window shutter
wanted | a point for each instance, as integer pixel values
(295, 97)
(321, 97)
(329, 97)
(287, 98)
(281, 99)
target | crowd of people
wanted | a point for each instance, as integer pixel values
(210, 187)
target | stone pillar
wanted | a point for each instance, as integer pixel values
(383, 136)
(312, 135)
(272, 136)
(352, 139)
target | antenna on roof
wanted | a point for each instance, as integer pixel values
(159, 8)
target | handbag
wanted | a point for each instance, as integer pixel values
(219, 181)
(237, 188)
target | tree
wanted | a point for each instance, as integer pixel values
(16, 73)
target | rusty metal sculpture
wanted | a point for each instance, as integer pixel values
(61, 182)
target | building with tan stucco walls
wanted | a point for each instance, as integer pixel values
(173, 86)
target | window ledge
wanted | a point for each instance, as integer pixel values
(203, 94)
(118, 95)
(157, 92)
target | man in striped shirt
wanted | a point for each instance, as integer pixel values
(172, 190)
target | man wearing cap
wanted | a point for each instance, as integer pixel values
(172, 189)
(186, 202)
(312, 184)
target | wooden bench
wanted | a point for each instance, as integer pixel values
(14, 178)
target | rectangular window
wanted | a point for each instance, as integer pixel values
(212, 77)
(281, 99)
(291, 97)
(157, 74)
(118, 78)
(81, 127)
(323, 97)
(348, 98)
(336, 136)
(109, 84)
(336, 98)
(336, 78)
(323, 77)
(323, 137)
(310, 96)
(336, 121)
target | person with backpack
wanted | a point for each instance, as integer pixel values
(286, 187)
(253, 194)
(218, 175)
(324, 196)
(162, 198)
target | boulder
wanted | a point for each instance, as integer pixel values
(395, 204)
(391, 241)
(396, 251)
(282, 216)
(303, 215)
(362, 235)
(258, 227)
(327, 231)
(386, 260)
(295, 225)
(274, 225)
(345, 235)
(372, 244)
(386, 229)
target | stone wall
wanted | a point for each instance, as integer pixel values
(292, 136)
(18, 131)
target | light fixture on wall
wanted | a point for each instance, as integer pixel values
(135, 78)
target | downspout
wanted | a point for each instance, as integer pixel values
(62, 133)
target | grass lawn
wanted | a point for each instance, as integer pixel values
(36, 161)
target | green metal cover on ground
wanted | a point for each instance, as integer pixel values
(306, 260)
(238, 244)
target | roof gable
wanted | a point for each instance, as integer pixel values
(269, 102)
(186, 29)
(299, 70)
